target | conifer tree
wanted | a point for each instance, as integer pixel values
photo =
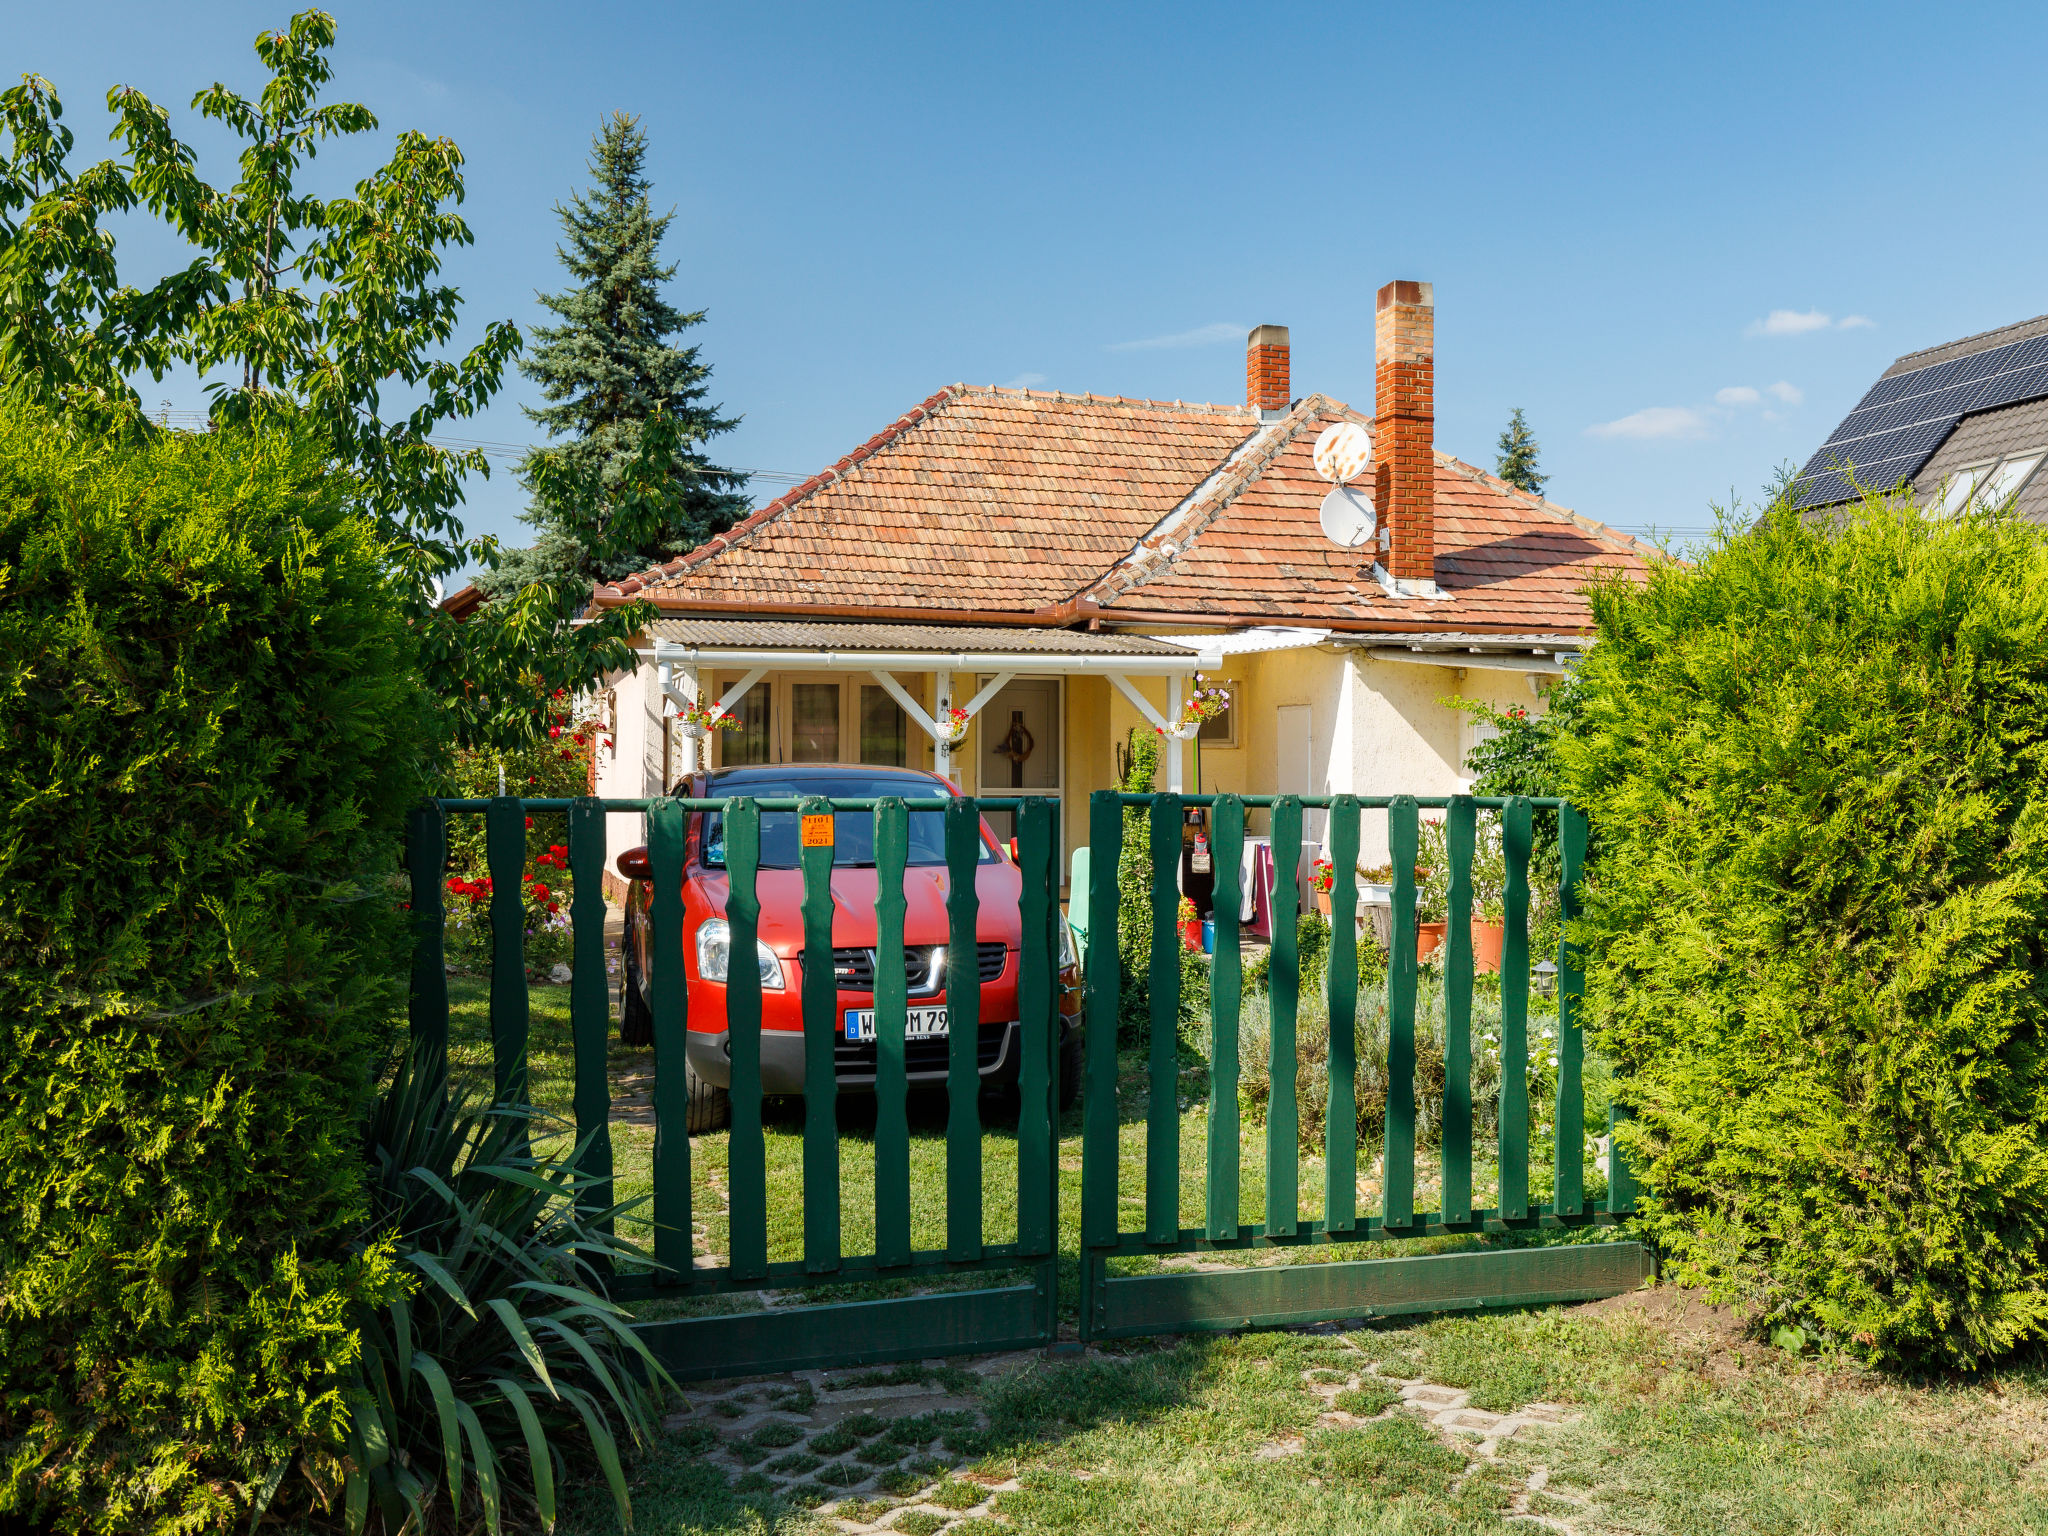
(610, 366)
(1516, 460)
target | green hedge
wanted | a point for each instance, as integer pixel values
(1818, 763)
(212, 728)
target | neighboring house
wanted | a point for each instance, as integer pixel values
(1061, 566)
(1961, 423)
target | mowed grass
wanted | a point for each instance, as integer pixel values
(1677, 1435)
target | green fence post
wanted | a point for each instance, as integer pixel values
(1461, 835)
(1162, 1109)
(746, 1147)
(1514, 1014)
(1397, 1156)
(1621, 1184)
(1226, 997)
(821, 1033)
(1340, 983)
(1283, 997)
(1101, 981)
(505, 854)
(963, 1030)
(892, 1004)
(1570, 1197)
(674, 1239)
(426, 859)
(590, 1008)
(1037, 1013)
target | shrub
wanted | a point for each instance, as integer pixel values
(1134, 892)
(1818, 765)
(212, 731)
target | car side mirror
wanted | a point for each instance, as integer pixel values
(634, 866)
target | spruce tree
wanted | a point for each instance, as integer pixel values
(1516, 459)
(609, 367)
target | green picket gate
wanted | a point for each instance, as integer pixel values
(1024, 1313)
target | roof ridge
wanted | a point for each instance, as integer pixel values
(1062, 396)
(1962, 345)
(1550, 508)
(718, 543)
(1162, 545)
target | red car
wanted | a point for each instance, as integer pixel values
(780, 955)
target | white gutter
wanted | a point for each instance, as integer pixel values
(675, 653)
(1492, 661)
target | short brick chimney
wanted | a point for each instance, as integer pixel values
(1404, 433)
(1267, 387)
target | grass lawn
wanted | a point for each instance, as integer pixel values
(1681, 1424)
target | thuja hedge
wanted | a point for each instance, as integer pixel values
(211, 731)
(1818, 760)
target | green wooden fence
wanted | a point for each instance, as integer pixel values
(1012, 1315)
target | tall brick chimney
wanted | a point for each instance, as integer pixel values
(1267, 388)
(1404, 433)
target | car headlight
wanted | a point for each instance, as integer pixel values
(714, 954)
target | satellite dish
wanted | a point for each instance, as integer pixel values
(1343, 451)
(1347, 517)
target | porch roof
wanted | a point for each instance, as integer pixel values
(858, 647)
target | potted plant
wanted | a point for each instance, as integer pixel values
(1190, 924)
(1489, 898)
(1322, 877)
(1432, 892)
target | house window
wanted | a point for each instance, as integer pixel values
(1987, 485)
(1476, 731)
(884, 732)
(814, 722)
(748, 744)
(1221, 730)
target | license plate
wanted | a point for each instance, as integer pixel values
(918, 1024)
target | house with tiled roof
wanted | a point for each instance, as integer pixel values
(1061, 567)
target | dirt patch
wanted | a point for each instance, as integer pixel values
(1714, 1341)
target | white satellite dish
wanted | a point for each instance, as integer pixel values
(1347, 517)
(1343, 451)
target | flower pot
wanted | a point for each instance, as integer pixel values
(1191, 933)
(1209, 936)
(1486, 942)
(1323, 902)
(1429, 938)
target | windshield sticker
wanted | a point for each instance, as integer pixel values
(818, 831)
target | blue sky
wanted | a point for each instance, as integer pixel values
(1684, 239)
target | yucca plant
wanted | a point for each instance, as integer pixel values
(508, 1364)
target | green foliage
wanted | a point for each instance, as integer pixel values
(1818, 762)
(213, 725)
(506, 1373)
(1515, 457)
(1134, 890)
(305, 314)
(1521, 758)
(606, 370)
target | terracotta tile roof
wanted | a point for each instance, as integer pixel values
(1005, 504)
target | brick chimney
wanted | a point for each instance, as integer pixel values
(1404, 433)
(1267, 388)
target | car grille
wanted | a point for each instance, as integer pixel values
(854, 969)
(856, 1058)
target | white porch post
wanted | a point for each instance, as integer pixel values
(693, 691)
(942, 700)
(1174, 779)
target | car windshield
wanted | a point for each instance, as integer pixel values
(853, 832)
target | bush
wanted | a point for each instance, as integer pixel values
(1818, 766)
(212, 733)
(1134, 892)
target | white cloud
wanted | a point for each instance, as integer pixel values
(1855, 322)
(1786, 394)
(1200, 336)
(1657, 422)
(1736, 394)
(1025, 381)
(1790, 322)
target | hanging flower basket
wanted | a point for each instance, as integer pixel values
(953, 725)
(700, 720)
(1205, 703)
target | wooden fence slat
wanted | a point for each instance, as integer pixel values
(746, 1146)
(1398, 1153)
(1162, 1112)
(1101, 982)
(590, 1007)
(674, 1239)
(1570, 1197)
(1514, 1013)
(892, 1002)
(1461, 837)
(963, 1024)
(821, 1036)
(1226, 989)
(505, 855)
(1283, 995)
(1038, 1022)
(426, 858)
(1340, 1129)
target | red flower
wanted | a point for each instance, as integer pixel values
(540, 891)
(554, 730)
(554, 906)
(529, 820)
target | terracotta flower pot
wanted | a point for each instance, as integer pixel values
(1486, 942)
(1429, 938)
(1323, 902)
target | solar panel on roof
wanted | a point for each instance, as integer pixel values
(1900, 421)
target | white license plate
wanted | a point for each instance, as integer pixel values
(918, 1024)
